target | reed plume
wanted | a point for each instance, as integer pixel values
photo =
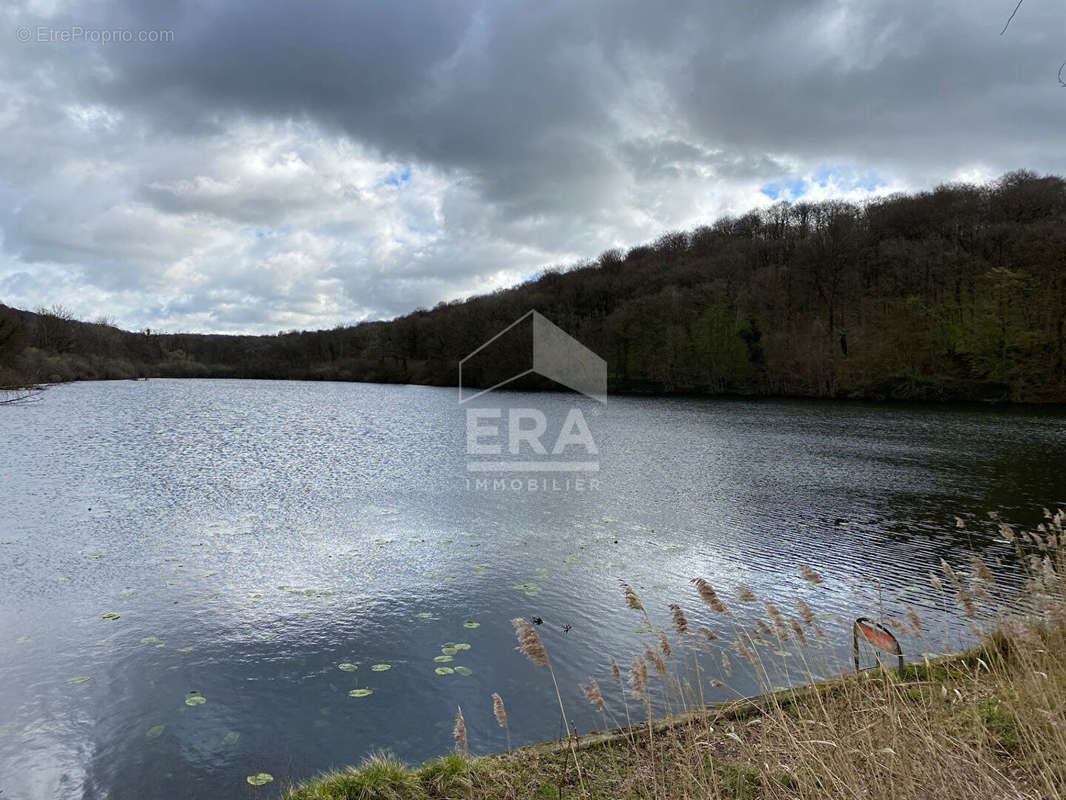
(743, 651)
(707, 632)
(949, 573)
(459, 732)
(805, 612)
(500, 713)
(632, 598)
(638, 676)
(933, 579)
(914, 619)
(981, 570)
(664, 645)
(709, 596)
(810, 575)
(772, 611)
(745, 595)
(529, 643)
(498, 710)
(780, 627)
(680, 620)
(652, 655)
(1007, 532)
(727, 667)
(965, 599)
(616, 673)
(593, 694)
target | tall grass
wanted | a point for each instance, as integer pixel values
(987, 723)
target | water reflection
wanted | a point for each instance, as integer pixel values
(253, 536)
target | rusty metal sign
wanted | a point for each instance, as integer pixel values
(876, 635)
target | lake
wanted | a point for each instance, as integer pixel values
(187, 564)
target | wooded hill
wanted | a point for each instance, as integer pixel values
(954, 294)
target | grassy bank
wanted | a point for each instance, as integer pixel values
(986, 723)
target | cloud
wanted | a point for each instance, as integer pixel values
(286, 164)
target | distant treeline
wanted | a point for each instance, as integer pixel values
(954, 294)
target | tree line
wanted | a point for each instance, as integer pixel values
(958, 293)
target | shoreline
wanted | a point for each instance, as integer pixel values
(971, 404)
(545, 769)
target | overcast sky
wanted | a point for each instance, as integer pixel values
(288, 164)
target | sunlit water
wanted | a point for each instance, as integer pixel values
(253, 536)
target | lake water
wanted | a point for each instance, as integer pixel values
(252, 536)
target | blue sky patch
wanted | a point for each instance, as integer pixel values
(785, 189)
(398, 177)
(842, 177)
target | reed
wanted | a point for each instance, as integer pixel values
(500, 712)
(459, 732)
(984, 723)
(530, 645)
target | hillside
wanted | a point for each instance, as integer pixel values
(954, 294)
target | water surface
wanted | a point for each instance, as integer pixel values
(251, 536)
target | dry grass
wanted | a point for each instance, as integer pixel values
(987, 723)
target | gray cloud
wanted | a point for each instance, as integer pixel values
(288, 164)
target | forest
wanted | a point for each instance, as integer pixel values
(953, 294)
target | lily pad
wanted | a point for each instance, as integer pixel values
(360, 692)
(444, 670)
(260, 778)
(460, 646)
(194, 698)
(444, 659)
(78, 679)
(424, 615)
(464, 670)
(347, 667)
(381, 667)
(530, 589)
(186, 649)
(155, 732)
(231, 738)
(471, 624)
(449, 650)
(149, 640)
(23, 639)
(109, 615)
(479, 570)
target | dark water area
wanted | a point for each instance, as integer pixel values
(251, 537)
